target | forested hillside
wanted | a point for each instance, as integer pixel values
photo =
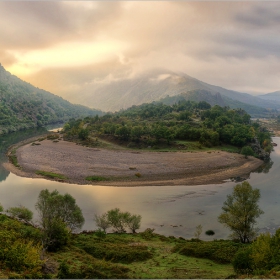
(155, 123)
(25, 106)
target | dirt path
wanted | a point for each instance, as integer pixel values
(155, 168)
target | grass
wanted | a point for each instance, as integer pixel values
(51, 175)
(96, 178)
(164, 262)
(13, 158)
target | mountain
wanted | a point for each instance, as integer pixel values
(274, 96)
(157, 84)
(25, 106)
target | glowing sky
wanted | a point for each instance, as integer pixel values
(62, 46)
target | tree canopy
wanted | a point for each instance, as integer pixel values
(240, 211)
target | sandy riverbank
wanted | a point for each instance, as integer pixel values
(156, 168)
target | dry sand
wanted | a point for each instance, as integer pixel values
(156, 168)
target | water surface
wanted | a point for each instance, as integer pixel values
(170, 210)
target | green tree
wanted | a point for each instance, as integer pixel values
(133, 222)
(118, 219)
(102, 221)
(247, 151)
(240, 212)
(58, 214)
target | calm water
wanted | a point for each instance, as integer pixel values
(170, 210)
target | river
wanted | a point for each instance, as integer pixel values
(170, 210)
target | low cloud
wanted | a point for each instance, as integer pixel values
(231, 44)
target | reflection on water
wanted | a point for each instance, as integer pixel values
(171, 210)
(265, 167)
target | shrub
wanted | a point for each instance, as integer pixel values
(218, 251)
(21, 212)
(148, 233)
(124, 253)
(242, 261)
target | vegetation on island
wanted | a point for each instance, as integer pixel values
(175, 126)
(52, 249)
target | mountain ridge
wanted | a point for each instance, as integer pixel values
(156, 84)
(25, 106)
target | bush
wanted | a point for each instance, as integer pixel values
(124, 253)
(21, 212)
(90, 268)
(218, 251)
(242, 261)
(56, 235)
(148, 233)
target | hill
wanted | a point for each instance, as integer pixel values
(274, 96)
(156, 84)
(25, 106)
(216, 99)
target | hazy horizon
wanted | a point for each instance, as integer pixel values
(65, 47)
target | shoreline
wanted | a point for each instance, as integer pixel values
(120, 166)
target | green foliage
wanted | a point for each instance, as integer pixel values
(265, 252)
(56, 234)
(21, 212)
(102, 221)
(148, 233)
(133, 222)
(77, 264)
(1, 208)
(83, 133)
(96, 178)
(247, 151)
(24, 106)
(51, 175)
(13, 158)
(18, 251)
(240, 211)
(156, 123)
(59, 214)
(118, 220)
(242, 261)
(218, 251)
(115, 252)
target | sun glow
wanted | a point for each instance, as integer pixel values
(65, 55)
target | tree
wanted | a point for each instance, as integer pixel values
(247, 151)
(59, 215)
(102, 221)
(54, 205)
(133, 222)
(117, 219)
(240, 212)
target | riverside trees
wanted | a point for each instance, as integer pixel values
(59, 215)
(240, 212)
(118, 220)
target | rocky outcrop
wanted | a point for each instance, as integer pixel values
(258, 150)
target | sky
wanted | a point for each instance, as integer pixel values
(64, 46)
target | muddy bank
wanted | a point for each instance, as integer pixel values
(120, 167)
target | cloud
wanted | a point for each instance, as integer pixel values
(65, 46)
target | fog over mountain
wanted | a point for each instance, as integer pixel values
(156, 84)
